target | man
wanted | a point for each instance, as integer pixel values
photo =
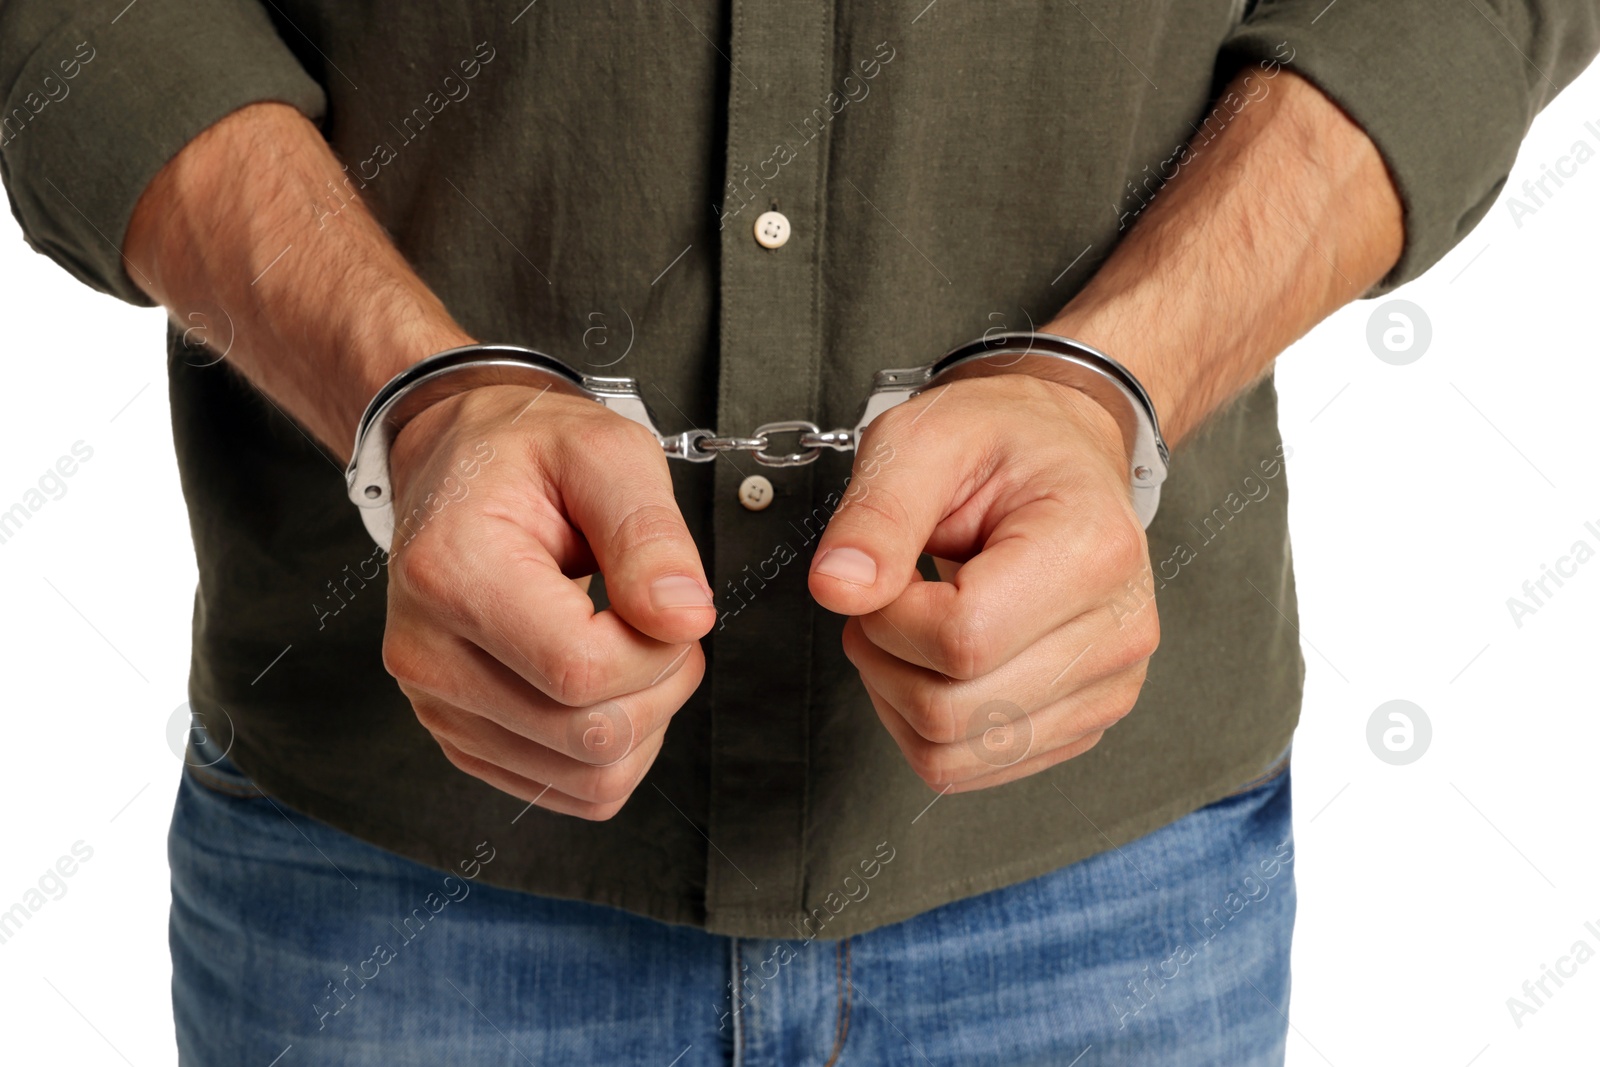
(773, 788)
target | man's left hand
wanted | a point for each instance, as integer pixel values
(1038, 639)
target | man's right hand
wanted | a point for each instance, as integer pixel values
(506, 500)
(491, 632)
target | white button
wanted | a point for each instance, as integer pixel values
(772, 230)
(755, 492)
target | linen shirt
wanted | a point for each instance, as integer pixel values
(584, 178)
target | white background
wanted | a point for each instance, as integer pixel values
(1423, 496)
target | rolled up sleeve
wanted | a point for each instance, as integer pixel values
(1446, 89)
(96, 102)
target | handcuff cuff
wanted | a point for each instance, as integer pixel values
(457, 370)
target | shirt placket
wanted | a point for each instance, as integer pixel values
(771, 240)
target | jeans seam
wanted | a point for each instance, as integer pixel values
(841, 1026)
(740, 1024)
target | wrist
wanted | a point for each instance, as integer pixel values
(322, 309)
(1289, 215)
(378, 347)
(1086, 414)
(420, 438)
(1075, 378)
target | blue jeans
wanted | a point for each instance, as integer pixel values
(1173, 950)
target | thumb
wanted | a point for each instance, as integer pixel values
(618, 493)
(901, 488)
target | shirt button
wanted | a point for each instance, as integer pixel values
(772, 230)
(755, 493)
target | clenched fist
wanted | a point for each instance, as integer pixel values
(506, 499)
(1027, 652)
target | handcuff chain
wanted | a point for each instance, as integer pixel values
(811, 439)
(456, 370)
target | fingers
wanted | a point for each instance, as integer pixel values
(614, 483)
(1040, 516)
(1028, 767)
(588, 783)
(467, 678)
(1048, 703)
(1026, 651)
(943, 709)
(582, 761)
(1013, 743)
(543, 488)
(1044, 564)
(1021, 480)
(502, 593)
(491, 631)
(535, 793)
(903, 485)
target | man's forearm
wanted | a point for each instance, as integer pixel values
(1287, 215)
(321, 308)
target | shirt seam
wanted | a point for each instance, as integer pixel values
(996, 878)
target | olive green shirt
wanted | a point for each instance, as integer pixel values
(583, 178)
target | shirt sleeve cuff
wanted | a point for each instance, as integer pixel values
(77, 149)
(1441, 91)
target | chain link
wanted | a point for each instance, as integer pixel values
(810, 440)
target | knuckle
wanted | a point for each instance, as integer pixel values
(601, 735)
(880, 507)
(1138, 643)
(931, 713)
(459, 759)
(936, 765)
(648, 720)
(1113, 713)
(855, 643)
(1119, 703)
(576, 678)
(592, 436)
(612, 784)
(428, 715)
(402, 659)
(1135, 686)
(859, 647)
(1118, 549)
(1148, 636)
(964, 646)
(422, 571)
(648, 524)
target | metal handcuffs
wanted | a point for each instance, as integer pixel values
(457, 370)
